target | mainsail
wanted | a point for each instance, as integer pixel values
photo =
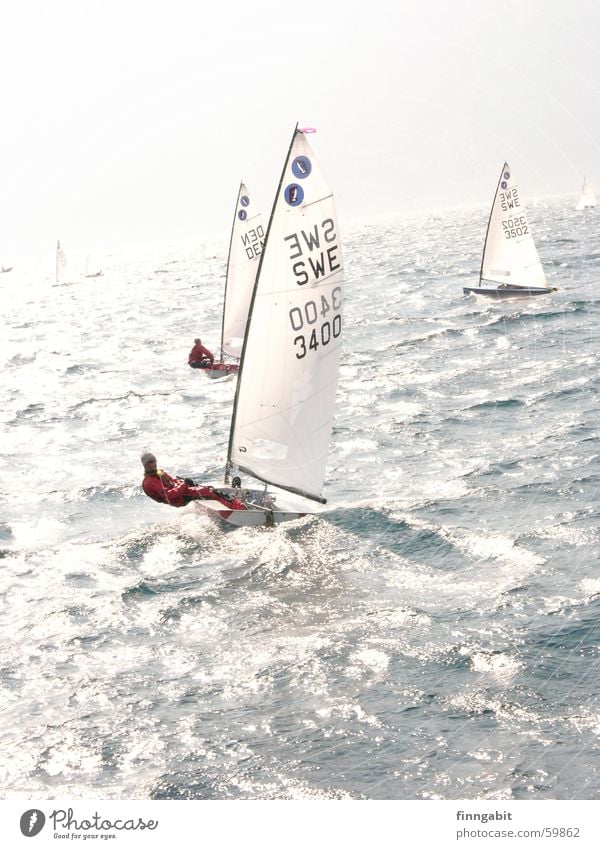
(587, 198)
(285, 395)
(92, 269)
(61, 262)
(510, 255)
(245, 248)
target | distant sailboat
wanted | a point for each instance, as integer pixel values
(61, 263)
(587, 198)
(91, 270)
(510, 266)
(245, 248)
(285, 395)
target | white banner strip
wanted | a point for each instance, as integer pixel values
(304, 824)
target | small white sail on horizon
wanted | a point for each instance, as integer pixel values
(285, 395)
(61, 263)
(92, 269)
(510, 265)
(587, 199)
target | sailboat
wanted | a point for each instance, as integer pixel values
(285, 394)
(92, 270)
(510, 266)
(61, 263)
(587, 198)
(245, 248)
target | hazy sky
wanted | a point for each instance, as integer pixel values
(126, 121)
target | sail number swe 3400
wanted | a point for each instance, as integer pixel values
(320, 320)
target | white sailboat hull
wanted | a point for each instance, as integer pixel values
(504, 291)
(216, 370)
(254, 514)
(221, 370)
(252, 517)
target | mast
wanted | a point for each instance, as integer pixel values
(229, 462)
(504, 167)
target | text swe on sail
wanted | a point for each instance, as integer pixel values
(319, 251)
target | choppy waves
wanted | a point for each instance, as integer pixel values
(433, 634)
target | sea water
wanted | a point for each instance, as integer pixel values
(433, 634)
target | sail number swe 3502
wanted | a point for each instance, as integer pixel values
(515, 227)
(320, 320)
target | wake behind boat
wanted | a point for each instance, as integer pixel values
(245, 248)
(510, 265)
(285, 395)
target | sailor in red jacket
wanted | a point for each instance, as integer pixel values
(161, 487)
(200, 357)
